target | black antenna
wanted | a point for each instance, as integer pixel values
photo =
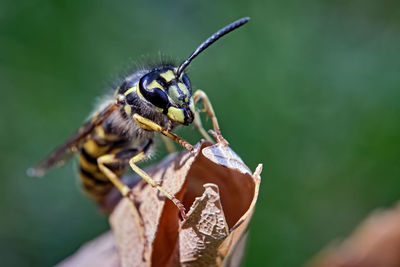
(212, 39)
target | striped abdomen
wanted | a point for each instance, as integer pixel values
(100, 143)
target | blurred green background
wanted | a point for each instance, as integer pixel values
(309, 88)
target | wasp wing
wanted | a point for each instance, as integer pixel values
(62, 153)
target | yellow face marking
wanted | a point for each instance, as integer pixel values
(169, 75)
(154, 84)
(173, 93)
(176, 114)
(138, 92)
(185, 90)
(130, 90)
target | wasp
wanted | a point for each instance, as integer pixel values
(120, 132)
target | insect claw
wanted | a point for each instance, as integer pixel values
(180, 206)
(218, 137)
(183, 213)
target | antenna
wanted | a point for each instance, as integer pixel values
(212, 39)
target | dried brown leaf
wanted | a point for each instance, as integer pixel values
(376, 242)
(220, 193)
(204, 230)
(226, 204)
(98, 252)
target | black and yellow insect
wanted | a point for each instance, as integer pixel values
(121, 132)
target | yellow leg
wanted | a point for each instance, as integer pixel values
(125, 191)
(110, 159)
(149, 180)
(152, 126)
(201, 95)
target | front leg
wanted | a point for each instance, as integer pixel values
(150, 125)
(103, 164)
(133, 161)
(201, 95)
(197, 123)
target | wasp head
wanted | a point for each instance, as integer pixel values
(170, 93)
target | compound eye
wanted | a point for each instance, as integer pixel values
(158, 98)
(155, 95)
(147, 79)
(186, 81)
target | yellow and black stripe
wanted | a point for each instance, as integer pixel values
(95, 183)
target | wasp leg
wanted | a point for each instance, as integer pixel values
(149, 180)
(150, 125)
(124, 189)
(110, 159)
(168, 144)
(200, 95)
(197, 123)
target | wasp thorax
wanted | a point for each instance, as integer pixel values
(171, 94)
